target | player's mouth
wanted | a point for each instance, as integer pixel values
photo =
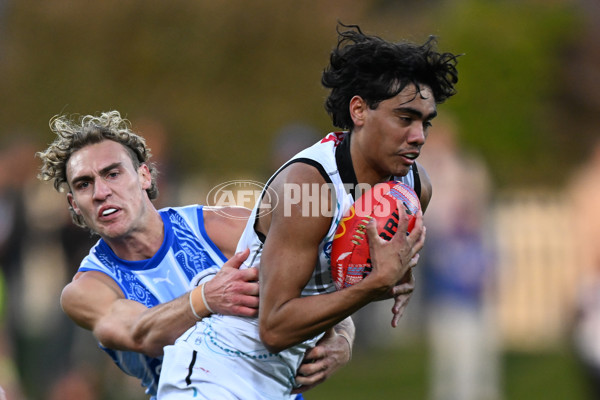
(410, 157)
(107, 212)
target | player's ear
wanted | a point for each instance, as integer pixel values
(145, 177)
(73, 203)
(358, 108)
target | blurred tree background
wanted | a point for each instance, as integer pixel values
(223, 78)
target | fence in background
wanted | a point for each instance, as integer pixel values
(538, 269)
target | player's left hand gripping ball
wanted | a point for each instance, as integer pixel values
(350, 258)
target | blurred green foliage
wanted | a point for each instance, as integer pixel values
(225, 76)
(403, 373)
(509, 84)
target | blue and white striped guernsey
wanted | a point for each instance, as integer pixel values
(186, 257)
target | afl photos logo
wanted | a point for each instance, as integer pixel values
(242, 193)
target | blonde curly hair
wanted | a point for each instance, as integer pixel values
(74, 133)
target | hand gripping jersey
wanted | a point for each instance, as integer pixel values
(230, 347)
(186, 257)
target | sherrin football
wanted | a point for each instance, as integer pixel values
(350, 258)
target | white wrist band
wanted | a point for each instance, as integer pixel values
(204, 299)
(192, 307)
(349, 344)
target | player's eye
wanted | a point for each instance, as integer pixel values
(82, 185)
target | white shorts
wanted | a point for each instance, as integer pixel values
(204, 365)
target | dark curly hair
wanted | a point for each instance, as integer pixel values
(73, 134)
(376, 70)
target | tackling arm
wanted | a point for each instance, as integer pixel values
(332, 352)
(95, 302)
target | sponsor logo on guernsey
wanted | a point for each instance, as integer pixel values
(161, 280)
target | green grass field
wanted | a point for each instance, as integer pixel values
(402, 374)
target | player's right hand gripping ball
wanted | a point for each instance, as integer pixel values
(350, 258)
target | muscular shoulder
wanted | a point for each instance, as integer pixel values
(426, 187)
(304, 200)
(298, 173)
(90, 281)
(225, 225)
(85, 293)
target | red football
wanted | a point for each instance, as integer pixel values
(350, 258)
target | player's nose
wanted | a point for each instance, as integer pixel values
(101, 189)
(417, 134)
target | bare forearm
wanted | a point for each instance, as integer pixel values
(131, 326)
(288, 322)
(149, 331)
(300, 319)
(95, 303)
(162, 327)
